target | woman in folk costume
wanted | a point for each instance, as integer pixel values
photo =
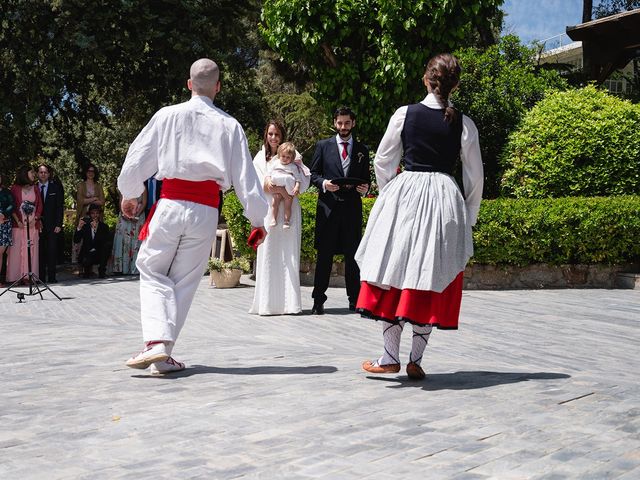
(418, 237)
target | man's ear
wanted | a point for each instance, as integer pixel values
(218, 86)
(189, 84)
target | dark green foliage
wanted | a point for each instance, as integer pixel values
(577, 143)
(93, 61)
(513, 231)
(239, 226)
(371, 54)
(558, 231)
(498, 86)
(303, 118)
(606, 8)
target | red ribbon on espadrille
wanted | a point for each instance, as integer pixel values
(204, 193)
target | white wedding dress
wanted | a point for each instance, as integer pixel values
(277, 289)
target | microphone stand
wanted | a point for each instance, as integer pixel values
(36, 286)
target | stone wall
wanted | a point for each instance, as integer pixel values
(491, 277)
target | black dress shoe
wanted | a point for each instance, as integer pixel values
(318, 309)
(352, 307)
(52, 280)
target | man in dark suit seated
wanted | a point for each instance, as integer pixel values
(339, 209)
(94, 235)
(52, 195)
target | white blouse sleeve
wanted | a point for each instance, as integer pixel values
(389, 151)
(472, 171)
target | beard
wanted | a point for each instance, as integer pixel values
(345, 132)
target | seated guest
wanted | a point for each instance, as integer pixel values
(94, 235)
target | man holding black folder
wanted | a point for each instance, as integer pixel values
(340, 171)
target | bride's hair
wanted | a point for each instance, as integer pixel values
(265, 140)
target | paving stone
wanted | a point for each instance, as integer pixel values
(534, 384)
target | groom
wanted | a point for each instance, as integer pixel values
(339, 209)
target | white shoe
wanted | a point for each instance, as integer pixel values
(167, 366)
(153, 352)
(286, 225)
(274, 223)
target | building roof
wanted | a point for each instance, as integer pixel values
(608, 43)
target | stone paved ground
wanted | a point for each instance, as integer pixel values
(536, 384)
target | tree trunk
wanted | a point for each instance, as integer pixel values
(587, 9)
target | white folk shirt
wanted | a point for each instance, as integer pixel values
(195, 141)
(389, 154)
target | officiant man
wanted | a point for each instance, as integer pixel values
(336, 161)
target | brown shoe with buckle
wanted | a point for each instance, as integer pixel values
(373, 368)
(415, 371)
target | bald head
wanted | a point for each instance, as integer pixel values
(203, 77)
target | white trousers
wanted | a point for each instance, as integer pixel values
(172, 262)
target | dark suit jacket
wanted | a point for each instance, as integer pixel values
(99, 242)
(53, 210)
(327, 164)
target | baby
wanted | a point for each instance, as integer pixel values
(285, 170)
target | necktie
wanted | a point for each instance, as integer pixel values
(345, 154)
(42, 191)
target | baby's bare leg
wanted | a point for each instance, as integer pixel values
(276, 198)
(288, 202)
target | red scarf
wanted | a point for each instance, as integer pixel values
(204, 193)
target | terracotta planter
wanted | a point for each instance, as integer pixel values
(227, 278)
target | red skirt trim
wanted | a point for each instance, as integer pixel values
(420, 307)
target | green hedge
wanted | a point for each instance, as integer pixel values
(597, 230)
(581, 143)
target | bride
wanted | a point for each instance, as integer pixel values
(277, 290)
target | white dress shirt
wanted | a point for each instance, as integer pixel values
(389, 154)
(195, 141)
(346, 162)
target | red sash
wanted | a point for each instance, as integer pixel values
(204, 193)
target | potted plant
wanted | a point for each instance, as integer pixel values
(227, 274)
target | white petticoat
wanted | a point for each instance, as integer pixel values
(417, 235)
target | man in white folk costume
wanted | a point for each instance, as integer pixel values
(197, 150)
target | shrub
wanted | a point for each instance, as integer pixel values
(239, 226)
(558, 231)
(513, 231)
(236, 263)
(497, 87)
(577, 143)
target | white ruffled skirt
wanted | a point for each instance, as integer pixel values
(417, 236)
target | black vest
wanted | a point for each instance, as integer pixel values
(430, 143)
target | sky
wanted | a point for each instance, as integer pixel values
(541, 19)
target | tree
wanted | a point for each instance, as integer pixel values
(580, 142)
(497, 87)
(370, 54)
(587, 10)
(607, 8)
(90, 61)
